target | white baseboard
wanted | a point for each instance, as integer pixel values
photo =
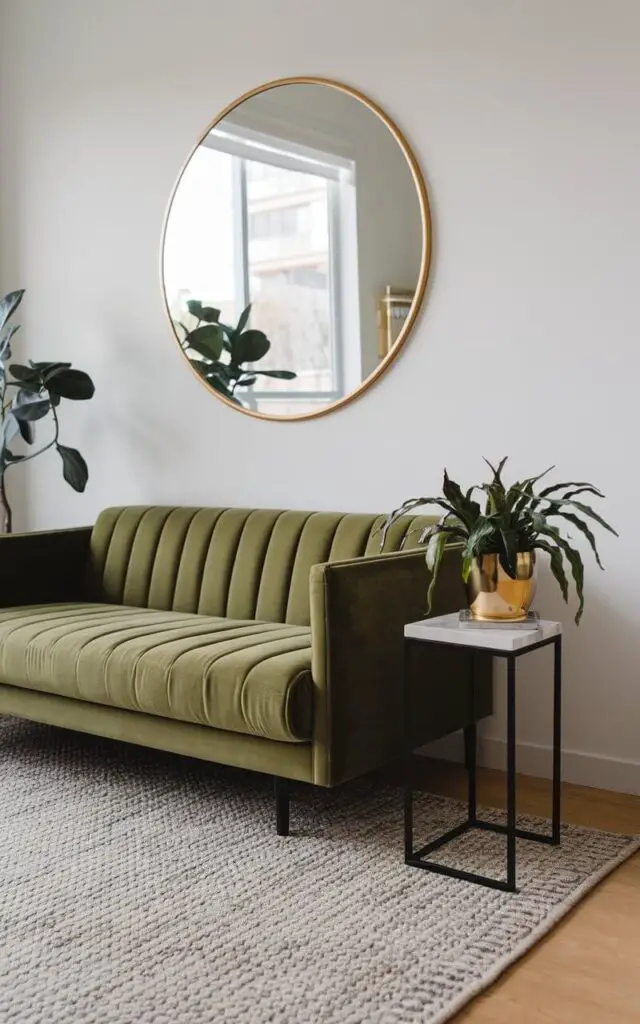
(533, 759)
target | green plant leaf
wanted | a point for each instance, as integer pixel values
(508, 556)
(209, 314)
(31, 411)
(229, 331)
(569, 483)
(27, 430)
(576, 564)
(5, 340)
(249, 347)
(243, 319)
(584, 529)
(206, 341)
(247, 382)
(9, 304)
(69, 383)
(27, 376)
(48, 367)
(484, 529)
(587, 489)
(585, 509)
(11, 457)
(409, 506)
(433, 557)
(557, 568)
(74, 468)
(280, 374)
(195, 307)
(467, 510)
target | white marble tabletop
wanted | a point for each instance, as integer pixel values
(446, 629)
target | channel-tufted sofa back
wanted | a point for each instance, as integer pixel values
(240, 563)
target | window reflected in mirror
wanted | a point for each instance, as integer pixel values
(292, 222)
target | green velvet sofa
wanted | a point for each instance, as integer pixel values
(269, 640)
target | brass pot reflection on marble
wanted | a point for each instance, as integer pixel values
(494, 595)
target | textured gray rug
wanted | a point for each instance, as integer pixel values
(136, 887)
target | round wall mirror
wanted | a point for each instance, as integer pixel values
(296, 249)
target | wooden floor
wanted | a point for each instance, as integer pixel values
(587, 970)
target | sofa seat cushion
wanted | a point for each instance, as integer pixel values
(243, 676)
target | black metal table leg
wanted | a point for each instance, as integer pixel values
(557, 738)
(471, 743)
(408, 755)
(511, 773)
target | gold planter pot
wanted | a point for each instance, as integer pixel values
(494, 595)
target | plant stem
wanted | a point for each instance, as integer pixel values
(6, 507)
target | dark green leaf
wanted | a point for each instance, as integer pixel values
(509, 554)
(569, 483)
(249, 347)
(74, 468)
(49, 367)
(497, 472)
(455, 497)
(587, 489)
(5, 340)
(435, 552)
(229, 331)
(557, 568)
(9, 304)
(585, 509)
(279, 374)
(68, 383)
(195, 307)
(474, 546)
(584, 529)
(222, 389)
(31, 411)
(243, 319)
(409, 506)
(206, 341)
(577, 567)
(27, 431)
(10, 457)
(28, 377)
(209, 314)
(247, 382)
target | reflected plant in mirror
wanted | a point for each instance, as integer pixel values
(226, 356)
(303, 202)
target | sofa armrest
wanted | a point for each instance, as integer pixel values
(359, 608)
(42, 567)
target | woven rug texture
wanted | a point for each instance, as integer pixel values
(140, 887)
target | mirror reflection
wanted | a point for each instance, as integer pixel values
(294, 249)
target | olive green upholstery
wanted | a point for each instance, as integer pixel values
(266, 639)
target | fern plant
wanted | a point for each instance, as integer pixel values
(509, 520)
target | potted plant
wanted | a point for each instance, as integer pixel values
(498, 543)
(226, 356)
(32, 393)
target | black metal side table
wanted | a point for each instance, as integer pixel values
(502, 643)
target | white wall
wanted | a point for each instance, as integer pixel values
(525, 118)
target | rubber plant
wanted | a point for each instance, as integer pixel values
(510, 519)
(220, 353)
(31, 393)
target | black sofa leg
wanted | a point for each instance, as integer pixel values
(281, 790)
(468, 741)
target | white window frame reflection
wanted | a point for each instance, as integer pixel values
(245, 144)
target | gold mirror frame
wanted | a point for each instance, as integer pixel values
(425, 215)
